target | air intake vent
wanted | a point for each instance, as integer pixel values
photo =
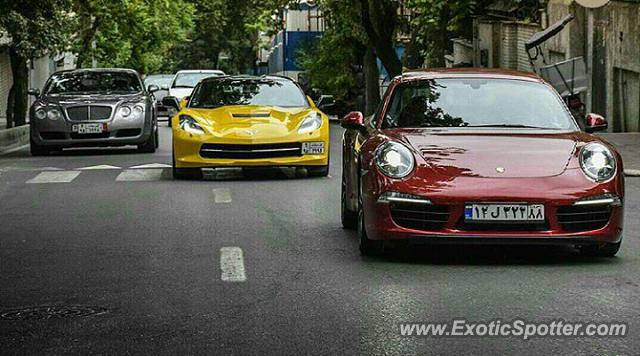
(254, 115)
(584, 218)
(419, 216)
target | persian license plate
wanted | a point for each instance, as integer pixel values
(89, 128)
(312, 148)
(504, 212)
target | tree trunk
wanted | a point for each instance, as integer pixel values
(372, 84)
(379, 19)
(18, 97)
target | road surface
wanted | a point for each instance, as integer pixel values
(102, 252)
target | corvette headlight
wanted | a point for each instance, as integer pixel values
(190, 125)
(312, 122)
(395, 160)
(597, 162)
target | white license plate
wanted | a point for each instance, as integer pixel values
(89, 128)
(312, 148)
(504, 212)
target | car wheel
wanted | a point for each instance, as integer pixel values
(607, 250)
(38, 150)
(322, 171)
(157, 138)
(185, 173)
(149, 146)
(349, 218)
(367, 247)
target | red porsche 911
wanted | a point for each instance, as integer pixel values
(480, 156)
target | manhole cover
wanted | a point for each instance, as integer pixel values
(50, 312)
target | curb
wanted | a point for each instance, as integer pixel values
(14, 137)
(632, 172)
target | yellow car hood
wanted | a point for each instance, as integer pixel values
(250, 122)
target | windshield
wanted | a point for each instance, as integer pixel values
(159, 80)
(477, 103)
(190, 80)
(268, 92)
(94, 82)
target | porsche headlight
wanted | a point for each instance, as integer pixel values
(190, 125)
(395, 160)
(597, 162)
(312, 122)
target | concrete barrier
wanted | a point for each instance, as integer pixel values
(14, 137)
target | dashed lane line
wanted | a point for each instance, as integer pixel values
(232, 265)
(222, 195)
(140, 175)
(54, 177)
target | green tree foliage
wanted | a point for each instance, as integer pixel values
(137, 34)
(35, 28)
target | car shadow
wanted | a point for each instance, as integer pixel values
(255, 174)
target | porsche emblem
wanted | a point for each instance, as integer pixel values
(500, 170)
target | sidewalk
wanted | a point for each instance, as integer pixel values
(629, 146)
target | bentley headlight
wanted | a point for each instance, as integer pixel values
(54, 114)
(190, 125)
(124, 111)
(138, 111)
(41, 113)
(395, 160)
(597, 162)
(312, 122)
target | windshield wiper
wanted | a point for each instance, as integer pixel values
(513, 126)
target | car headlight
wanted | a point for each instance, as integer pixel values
(41, 114)
(395, 160)
(312, 122)
(597, 162)
(190, 125)
(138, 111)
(54, 114)
(124, 111)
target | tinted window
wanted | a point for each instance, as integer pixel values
(94, 82)
(269, 92)
(190, 80)
(476, 103)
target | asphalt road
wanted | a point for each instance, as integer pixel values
(260, 265)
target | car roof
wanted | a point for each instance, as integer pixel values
(213, 71)
(486, 73)
(252, 77)
(97, 70)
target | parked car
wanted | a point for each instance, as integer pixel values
(160, 81)
(247, 121)
(480, 156)
(93, 107)
(185, 80)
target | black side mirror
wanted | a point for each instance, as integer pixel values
(595, 123)
(153, 88)
(34, 92)
(171, 102)
(326, 103)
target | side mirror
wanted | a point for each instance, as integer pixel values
(354, 121)
(171, 102)
(327, 104)
(34, 92)
(595, 123)
(153, 88)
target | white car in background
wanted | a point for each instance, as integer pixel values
(185, 80)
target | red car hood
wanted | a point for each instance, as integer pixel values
(491, 155)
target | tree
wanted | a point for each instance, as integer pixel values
(36, 27)
(380, 20)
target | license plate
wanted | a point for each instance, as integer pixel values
(89, 128)
(312, 148)
(504, 212)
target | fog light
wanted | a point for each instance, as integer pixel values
(605, 199)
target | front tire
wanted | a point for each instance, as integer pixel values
(148, 146)
(349, 218)
(607, 250)
(367, 247)
(38, 150)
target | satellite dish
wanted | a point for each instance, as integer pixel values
(592, 4)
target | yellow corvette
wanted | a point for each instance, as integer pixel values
(244, 121)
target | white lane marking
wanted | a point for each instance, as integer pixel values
(151, 165)
(48, 169)
(14, 149)
(222, 195)
(54, 177)
(139, 175)
(232, 264)
(632, 172)
(99, 167)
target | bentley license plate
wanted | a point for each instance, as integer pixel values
(89, 128)
(312, 148)
(504, 212)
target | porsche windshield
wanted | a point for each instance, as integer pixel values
(477, 103)
(90, 82)
(267, 92)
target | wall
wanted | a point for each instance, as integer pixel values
(6, 81)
